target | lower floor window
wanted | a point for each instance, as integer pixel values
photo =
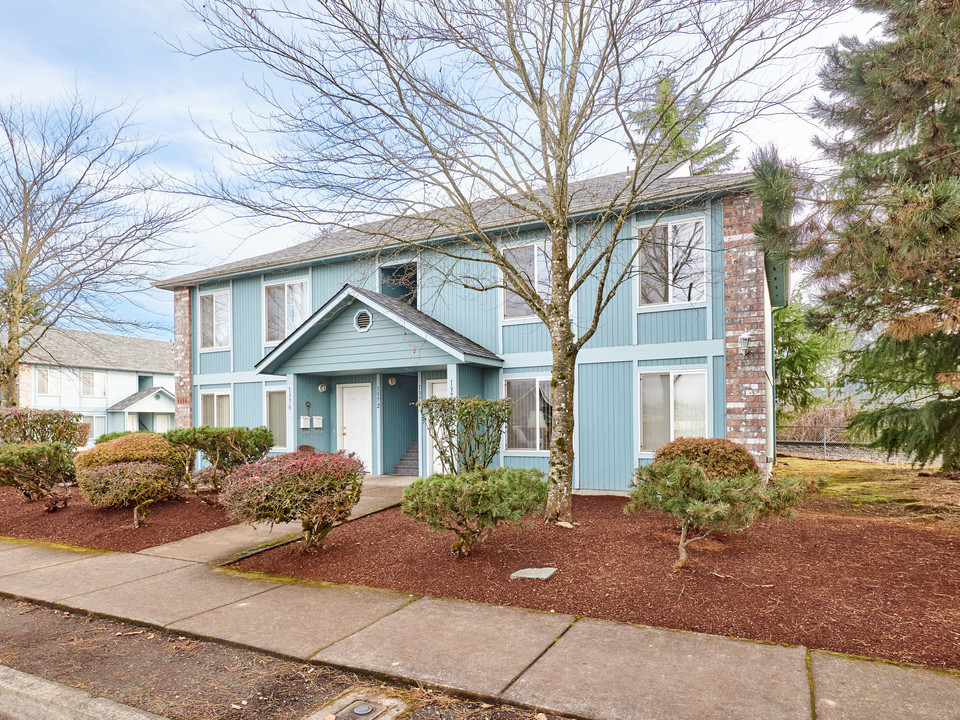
(672, 405)
(277, 416)
(531, 421)
(97, 425)
(162, 423)
(215, 410)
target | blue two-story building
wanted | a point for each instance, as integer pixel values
(330, 343)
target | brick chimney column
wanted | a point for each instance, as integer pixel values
(183, 355)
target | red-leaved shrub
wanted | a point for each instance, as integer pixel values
(318, 489)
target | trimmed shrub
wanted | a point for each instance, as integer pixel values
(318, 489)
(129, 483)
(465, 431)
(25, 425)
(38, 471)
(472, 504)
(719, 458)
(226, 449)
(107, 437)
(136, 447)
(702, 504)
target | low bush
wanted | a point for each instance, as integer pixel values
(318, 489)
(38, 471)
(226, 449)
(466, 431)
(136, 447)
(25, 425)
(702, 504)
(718, 457)
(472, 504)
(129, 483)
(107, 437)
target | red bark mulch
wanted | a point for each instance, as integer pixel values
(82, 525)
(877, 587)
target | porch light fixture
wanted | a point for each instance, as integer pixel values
(744, 342)
(321, 387)
(391, 381)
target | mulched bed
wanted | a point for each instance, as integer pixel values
(82, 525)
(877, 587)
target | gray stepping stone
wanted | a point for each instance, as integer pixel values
(849, 689)
(29, 557)
(89, 573)
(452, 644)
(176, 595)
(533, 574)
(613, 671)
(295, 620)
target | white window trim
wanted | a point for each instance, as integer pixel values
(648, 307)
(523, 319)
(398, 263)
(51, 371)
(93, 433)
(94, 373)
(216, 348)
(215, 393)
(673, 373)
(263, 298)
(504, 450)
(267, 389)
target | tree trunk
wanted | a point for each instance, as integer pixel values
(560, 476)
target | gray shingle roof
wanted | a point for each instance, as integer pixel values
(137, 396)
(67, 347)
(586, 196)
(426, 323)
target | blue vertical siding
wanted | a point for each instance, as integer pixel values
(491, 383)
(540, 370)
(525, 337)
(673, 362)
(247, 309)
(214, 362)
(400, 419)
(716, 270)
(666, 326)
(718, 380)
(470, 381)
(248, 405)
(472, 314)
(614, 328)
(605, 406)
(307, 386)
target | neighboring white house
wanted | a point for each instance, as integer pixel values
(116, 382)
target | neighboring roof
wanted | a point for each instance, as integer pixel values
(586, 196)
(449, 340)
(140, 395)
(67, 347)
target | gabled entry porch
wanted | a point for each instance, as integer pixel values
(356, 369)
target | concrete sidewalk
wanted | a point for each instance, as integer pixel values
(555, 663)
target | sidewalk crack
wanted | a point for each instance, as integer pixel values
(537, 658)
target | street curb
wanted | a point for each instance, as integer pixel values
(26, 697)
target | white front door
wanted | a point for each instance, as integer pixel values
(355, 422)
(435, 388)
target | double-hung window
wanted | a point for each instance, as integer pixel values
(215, 320)
(48, 381)
(533, 263)
(672, 263)
(96, 426)
(672, 405)
(277, 416)
(531, 421)
(215, 409)
(93, 384)
(286, 308)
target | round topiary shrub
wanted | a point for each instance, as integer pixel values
(318, 489)
(38, 471)
(718, 457)
(135, 447)
(129, 483)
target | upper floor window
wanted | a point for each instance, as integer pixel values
(672, 263)
(48, 381)
(531, 421)
(286, 308)
(533, 262)
(672, 405)
(93, 384)
(215, 320)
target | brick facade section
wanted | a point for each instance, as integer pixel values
(183, 356)
(744, 295)
(25, 385)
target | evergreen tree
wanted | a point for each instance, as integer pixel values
(672, 129)
(886, 230)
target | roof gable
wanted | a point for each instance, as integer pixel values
(144, 401)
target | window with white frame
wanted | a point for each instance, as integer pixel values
(672, 263)
(277, 416)
(48, 381)
(531, 420)
(286, 308)
(672, 405)
(215, 409)
(93, 384)
(532, 262)
(96, 424)
(214, 320)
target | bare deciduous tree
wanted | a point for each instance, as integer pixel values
(404, 115)
(80, 229)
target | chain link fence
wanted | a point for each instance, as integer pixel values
(829, 442)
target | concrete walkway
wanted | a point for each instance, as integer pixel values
(555, 663)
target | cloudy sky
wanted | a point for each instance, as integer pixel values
(119, 52)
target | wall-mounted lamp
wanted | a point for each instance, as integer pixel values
(391, 381)
(321, 387)
(744, 342)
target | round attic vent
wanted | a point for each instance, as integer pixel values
(362, 321)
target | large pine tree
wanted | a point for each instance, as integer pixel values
(887, 233)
